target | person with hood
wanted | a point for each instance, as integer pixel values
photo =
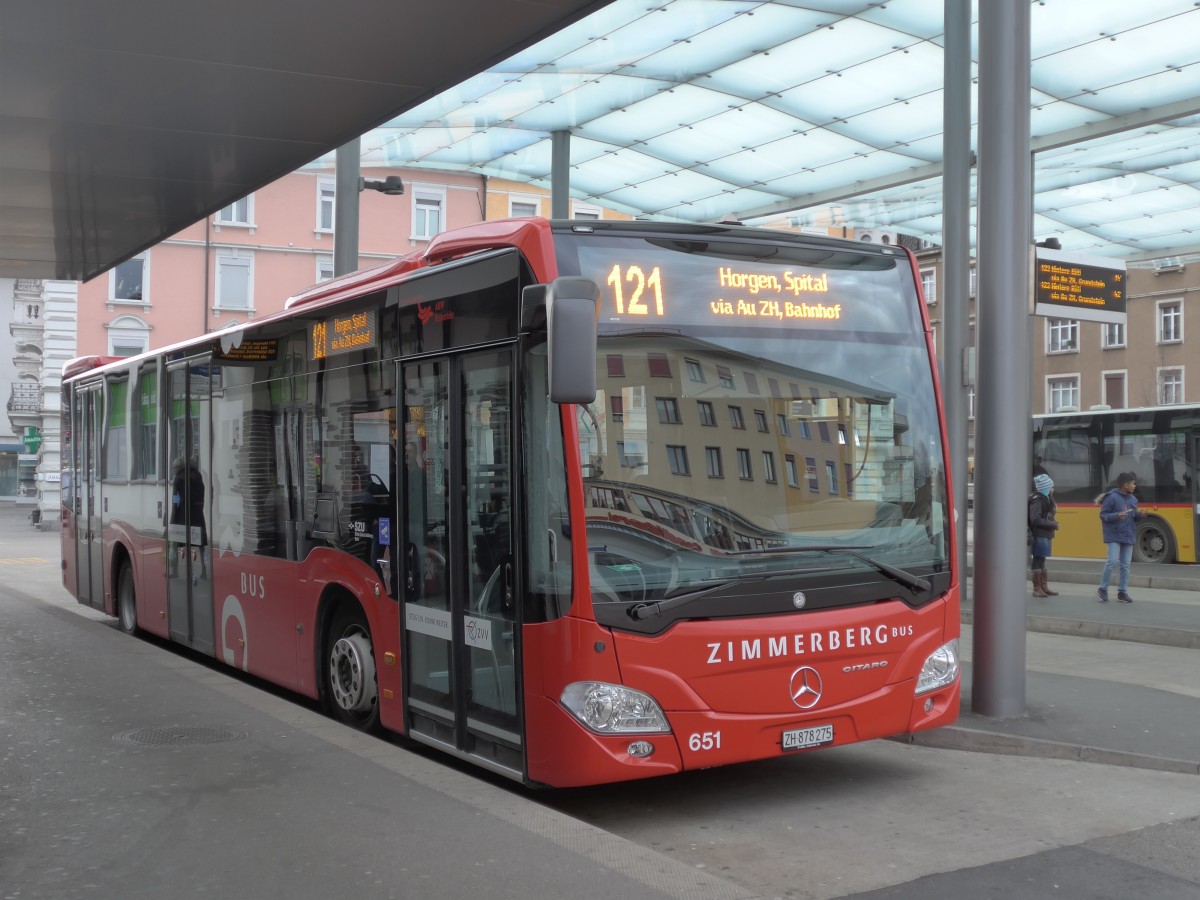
(1042, 526)
(1118, 514)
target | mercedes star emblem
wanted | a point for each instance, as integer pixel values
(805, 688)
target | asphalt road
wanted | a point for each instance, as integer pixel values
(281, 802)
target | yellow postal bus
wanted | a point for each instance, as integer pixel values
(1085, 451)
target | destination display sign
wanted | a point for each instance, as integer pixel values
(344, 334)
(1076, 286)
(650, 286)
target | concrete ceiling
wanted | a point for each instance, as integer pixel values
(122, 123)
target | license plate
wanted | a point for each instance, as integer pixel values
(803, 738)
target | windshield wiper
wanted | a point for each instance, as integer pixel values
(913, 582)
(646, 609)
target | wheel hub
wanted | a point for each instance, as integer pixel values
(352, 673)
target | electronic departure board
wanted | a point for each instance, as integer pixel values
(642, 283)
(1077, 286)
(344, 334)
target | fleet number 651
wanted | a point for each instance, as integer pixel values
(704, 740)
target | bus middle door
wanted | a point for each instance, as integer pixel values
(460, 629)
(189, 480)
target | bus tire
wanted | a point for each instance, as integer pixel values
(1153, 542)
(350, 679)
(126, 600)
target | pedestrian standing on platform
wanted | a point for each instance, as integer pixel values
(1042, 526)
(1118, 514)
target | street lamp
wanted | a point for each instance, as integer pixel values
(392, 185)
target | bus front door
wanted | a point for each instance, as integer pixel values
(461, 635)
(188, 495)
(89, 548)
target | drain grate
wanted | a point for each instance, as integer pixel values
(179, 736)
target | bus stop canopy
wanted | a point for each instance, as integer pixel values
(122, 124)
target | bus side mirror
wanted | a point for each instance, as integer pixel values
(571, 315)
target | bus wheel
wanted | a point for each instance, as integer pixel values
(351, 674)
(1152, 543)
(126, 601)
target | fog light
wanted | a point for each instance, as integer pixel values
(928, 704)
(640, 749)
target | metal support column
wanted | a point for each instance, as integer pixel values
(956, 254)
(345, 208)
(560, 174)
(1002, 418)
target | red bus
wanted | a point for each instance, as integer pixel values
(579, 502)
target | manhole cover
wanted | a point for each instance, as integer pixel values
(179, 736)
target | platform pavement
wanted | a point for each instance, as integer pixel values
(1115, 683)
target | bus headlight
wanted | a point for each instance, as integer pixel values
(940, 669)
(612, 709)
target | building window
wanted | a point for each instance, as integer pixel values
(1062, 393)
(725, 377)
(1112, 335)
(712, 457)
(849, 480)
(760, 421)
(128, 336)
(695, 370)
(677, 459)
(632, 454)
(1170, 321)
(127, 283)
(521, 209)
(805, 429)
(971, 402)
(616, 365)
(707, 415)
(768, 459)
(785, 427)
(618, 408)
(773, 387)
(831, 477)
(1170, 386)
(744, 471)
(582, 211)
(240, 212)
(929, 285)
(1062, 335)
(972, 282)
(751, 382)
(810, 469)
(735, 418)
(793, 471)
(427, 213)
(326, 196)
(660, 366)
(668, 410)
(1114, 390)
(235, 279)
(324, 268)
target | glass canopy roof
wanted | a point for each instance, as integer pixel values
(830, 113)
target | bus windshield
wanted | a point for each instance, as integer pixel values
(754, 398)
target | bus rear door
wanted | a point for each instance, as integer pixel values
(460, 630)
(89, 547)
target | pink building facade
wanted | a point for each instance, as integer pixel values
(244, 262)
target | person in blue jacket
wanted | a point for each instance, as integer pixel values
(1118, 514)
